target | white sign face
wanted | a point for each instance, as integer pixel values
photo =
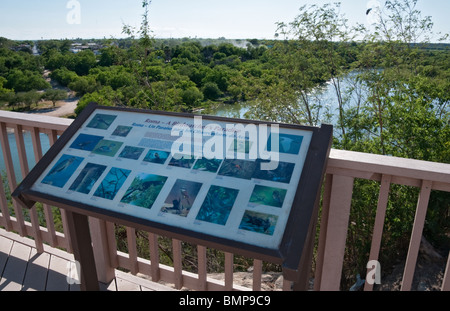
(224, 180)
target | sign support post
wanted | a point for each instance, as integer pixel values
(82, 250)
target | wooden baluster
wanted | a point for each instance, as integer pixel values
(132, 252)
(5, 219)
(37, 147)
(229, 267)
(257, 274)
(379, 222)
(112, 243)
(11, 177)
(177, 263)
(154, 257)
(18, 133)
(202, 267)
(323, 232)
(416, 236)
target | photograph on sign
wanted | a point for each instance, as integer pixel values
(62, 171)
(181, 197)
(157, 156)
(144, 190)
(112, 183)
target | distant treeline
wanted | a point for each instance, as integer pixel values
(178, 74)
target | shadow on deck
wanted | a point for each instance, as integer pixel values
(22, 268)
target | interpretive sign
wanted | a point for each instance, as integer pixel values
(244, 186)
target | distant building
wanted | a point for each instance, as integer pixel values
(94, 47)
(22, 47)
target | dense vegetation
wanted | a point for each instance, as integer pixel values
(397, 103)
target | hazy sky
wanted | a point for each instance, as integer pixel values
(55, 19)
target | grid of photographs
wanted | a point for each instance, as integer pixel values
(107, 160)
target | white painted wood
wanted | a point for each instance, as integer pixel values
(14, 271)
(57, 274)
(35, 120)
(416, 235)
(48, 271)
(126, 286)
(336, 235)
(5, 249)
(36, 273)
(399, 167)
(383, 197)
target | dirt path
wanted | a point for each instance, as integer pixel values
(63, 108)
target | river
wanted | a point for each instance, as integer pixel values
(325, 92)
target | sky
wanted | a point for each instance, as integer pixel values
(232, 19)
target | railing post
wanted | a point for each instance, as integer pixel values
(101, 247)
(336, 235)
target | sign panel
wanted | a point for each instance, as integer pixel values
(214, 179)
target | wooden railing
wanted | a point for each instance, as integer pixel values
(343, 168)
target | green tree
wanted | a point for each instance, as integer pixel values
(82, 62)
(312, 57)
(110, 56)
(192, 96)
(3, 90)
(54, 95)
(211, 91)
(23, 81)
(106, 96)
(64, 76)
(26, 99)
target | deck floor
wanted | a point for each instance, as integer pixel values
(23, 269)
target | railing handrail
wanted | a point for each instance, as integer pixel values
(35, 120)
(412, 169)
(339, 159)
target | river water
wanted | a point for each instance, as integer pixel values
(324, 93)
